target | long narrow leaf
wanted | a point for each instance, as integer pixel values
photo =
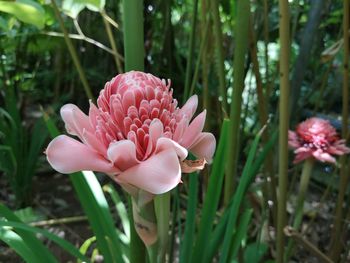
(15, 242)
(34, 244)
(212, 197)
(59, 241)
(186, 245)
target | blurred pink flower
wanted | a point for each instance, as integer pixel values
(316, 138)
(137, 134)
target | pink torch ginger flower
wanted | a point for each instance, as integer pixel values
(316, 138)
(136, 134)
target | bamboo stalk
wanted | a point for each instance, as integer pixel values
(219, 52)
(73, 52)
(284, 33)
(190, 52)
(270, 181)
(112, 42)
(241, 40)
(336, 239)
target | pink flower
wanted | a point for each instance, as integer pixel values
(137, 134)
(316, 138)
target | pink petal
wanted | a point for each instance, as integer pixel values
(157, 175)
(323, 156)
(122, 154)
(67, 155)
(193, 130)
(293, 140)
(302, 156)
(166, 143)
(155, 132)
(204, 146)
(190, 107)
(75, 120)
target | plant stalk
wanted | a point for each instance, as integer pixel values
(190, 52)
(241, 39)
(284, 33)
(134, 60)
(73, 52)
(162, 208)
(112, 42)
(336, 239)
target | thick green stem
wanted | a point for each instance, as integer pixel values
(134, 60)
(112, 42)
(133, 35)
(219, 52)
(336, 239)
(162, 208)
(299, 211)
(72, 52)
(284, 33)
(241, 47)
(304, 183)
(191, 51)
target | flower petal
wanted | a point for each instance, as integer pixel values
(204, 146)
(75, 120)
(190, 107)
(323, 156)
(193, 130)
(166, 143)
(67, 155)
(122, 154)
(157, 175)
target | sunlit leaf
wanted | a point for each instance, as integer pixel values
(25, 10)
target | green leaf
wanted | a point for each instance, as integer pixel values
(15, 242)
(212, 196)
(254, 252)
(59, 241)
(7, 160)
(27, 11)
(42, 254)
(72, 8)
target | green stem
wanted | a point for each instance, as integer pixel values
(72, 52)
(299, 211)
(112, 42)
(190, 52)
(134, 60)
(162, 208)
(241, 39)
(336, 239)
(284, 32)
(304, 183)
(219, 52)
(137, 248)
(133, 34)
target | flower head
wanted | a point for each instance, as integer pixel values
(316, 138)
(136, 134)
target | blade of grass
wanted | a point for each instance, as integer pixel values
(15, 242)
(212, 196)
(187, 243)
(218, 233)
(237, 199)
(33, 243)
(121, 209)
(68, 247)
(241, 233)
